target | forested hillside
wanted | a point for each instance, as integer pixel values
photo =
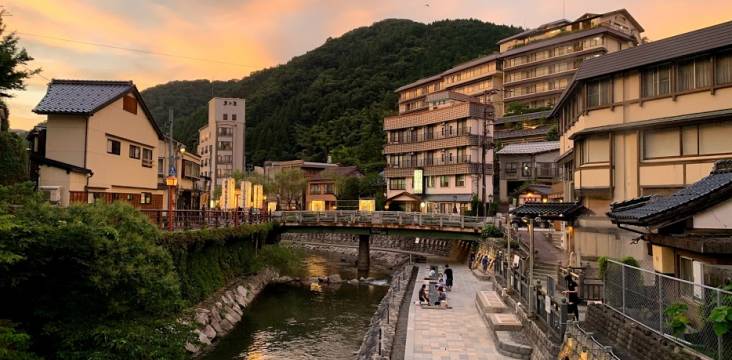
(332, 99)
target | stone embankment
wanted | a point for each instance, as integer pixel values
(379, 339)
(348, 254)
(217, 316)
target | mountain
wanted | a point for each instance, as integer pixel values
(332, 99)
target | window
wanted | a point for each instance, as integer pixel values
(224, 159)
(330, 188)
(225, 145)
(526, 169)
(190, 169)
(656, 81)
(233, 117)
(596, 149)
(134, 152)
(693, 74)
(599, 93)
(146, 198)
(444, 181)
(314, 189)
(459, 180)
(661, 143)
(714, 138)
(430, 181)
(225, 131)
(147, 155)
(129, 104)
(397, 184)
(113, 147)
(723, 71)
(226, 116)
(161, 166)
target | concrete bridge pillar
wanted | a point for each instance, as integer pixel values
(363, 254)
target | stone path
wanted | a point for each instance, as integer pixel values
(453, 334)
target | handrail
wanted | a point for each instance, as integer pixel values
(381, 218)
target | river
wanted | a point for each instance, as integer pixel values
(293, 322)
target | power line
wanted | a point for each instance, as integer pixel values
(142, 51)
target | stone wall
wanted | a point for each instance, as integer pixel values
(379, 339)
(629, 339)
(217, 316)
(438, 247)
(544, 347)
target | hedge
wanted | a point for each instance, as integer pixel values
(207, 259)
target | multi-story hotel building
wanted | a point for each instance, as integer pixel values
(221, 141)
(522, 83)
(644, 121)
(434, 146)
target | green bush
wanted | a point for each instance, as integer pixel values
(491, 231)
(82, 277)
(14, 344)
(602, 265)
(207, 259)
(676, 318)
(629, 260)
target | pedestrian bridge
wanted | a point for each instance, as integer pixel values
(443, 226)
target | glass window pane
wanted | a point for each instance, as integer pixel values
(724, 68)
(714, 138)
(664, 80)
(661, 143)
(703, 72)
(689, 140)
(685, 76)
(596, 149)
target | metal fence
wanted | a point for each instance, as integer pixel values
(594, 348)
(197, 219)
(649, 298)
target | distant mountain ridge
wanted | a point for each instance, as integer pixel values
(332, 99)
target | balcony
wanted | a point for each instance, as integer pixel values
(435, 167)
(436, 116)
(428, 141)
(539, 171)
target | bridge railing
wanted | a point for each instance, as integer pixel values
(381, 218)
(198, 219)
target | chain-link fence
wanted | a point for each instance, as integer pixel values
(676, 308)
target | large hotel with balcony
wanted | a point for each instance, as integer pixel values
(434, 151)
(441, 118)
(644, 123)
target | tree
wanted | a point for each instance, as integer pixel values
(290, 185)
(553, 134)
(13, 157)
(348, 188)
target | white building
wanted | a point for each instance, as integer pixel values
(221, 141)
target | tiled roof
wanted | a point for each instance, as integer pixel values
(655, 210)
(334, 172)
(657, 51)
(549, 210)
(523, 117)
(80, 96)
(681, 45)
(510, 134)
(529, 148)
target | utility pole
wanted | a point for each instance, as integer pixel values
(484, 148)
(532, 293)
(171, 180)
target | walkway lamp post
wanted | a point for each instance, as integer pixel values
(531, 267)
(171, 181)
(509, 265)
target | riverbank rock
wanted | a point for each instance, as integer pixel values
(218, 315)
(335, 279)
(353, 281)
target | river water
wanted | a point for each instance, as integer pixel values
(293, 322)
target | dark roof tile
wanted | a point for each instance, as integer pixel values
(80, 96)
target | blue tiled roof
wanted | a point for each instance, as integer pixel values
(80, 96)
(653, 210)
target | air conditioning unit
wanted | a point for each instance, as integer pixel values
(53, 193)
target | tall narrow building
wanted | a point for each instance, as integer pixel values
(221, 141)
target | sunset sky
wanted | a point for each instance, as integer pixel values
(237, 37)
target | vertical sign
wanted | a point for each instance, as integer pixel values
(417, 181)
(246, 193)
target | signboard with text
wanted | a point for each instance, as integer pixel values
(417, 181)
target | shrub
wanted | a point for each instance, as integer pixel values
(676, 318)
(287, 261)
(629, 260)
(602, 265)
(491, 231)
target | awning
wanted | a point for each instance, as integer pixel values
(549, 210)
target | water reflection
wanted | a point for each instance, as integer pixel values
(292, 322)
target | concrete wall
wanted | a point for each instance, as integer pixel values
(65, 139)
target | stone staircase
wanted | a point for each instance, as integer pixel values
(542, 270)
(504, 326)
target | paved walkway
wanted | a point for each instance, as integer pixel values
(455, 334)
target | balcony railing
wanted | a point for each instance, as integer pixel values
(436, 116)
(515, 171)
(466, 159)
(420, 136)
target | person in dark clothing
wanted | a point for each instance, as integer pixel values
(423, 294)
(484, 262)
(471, 261)
(448, 277)
(572, 296)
